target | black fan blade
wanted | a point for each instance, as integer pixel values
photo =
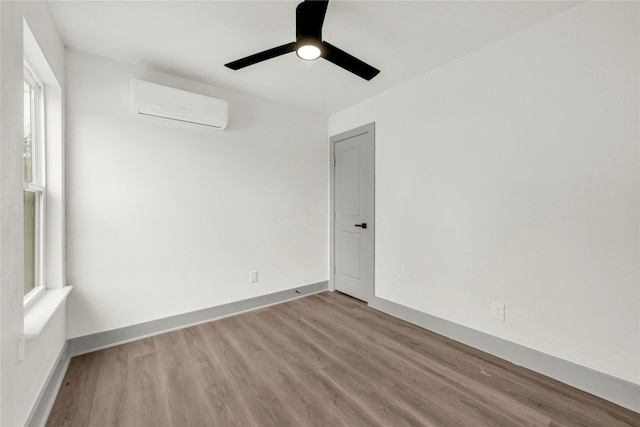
(262, 56)
(348, 62)
(310, 18)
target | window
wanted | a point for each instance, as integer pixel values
(33, 184)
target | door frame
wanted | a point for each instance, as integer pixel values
(368, 128)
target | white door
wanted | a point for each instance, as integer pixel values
(353, 190)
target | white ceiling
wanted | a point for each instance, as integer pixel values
(194, 39)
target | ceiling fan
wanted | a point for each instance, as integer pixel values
(309, 44)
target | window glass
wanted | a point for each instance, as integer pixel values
(30, 241)
(27, 132)
(33, 173)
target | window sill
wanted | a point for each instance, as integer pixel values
(40, 311)
(33, 296)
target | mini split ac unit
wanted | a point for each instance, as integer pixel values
(154, 100)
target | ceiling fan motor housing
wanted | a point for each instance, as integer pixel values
(309, 20)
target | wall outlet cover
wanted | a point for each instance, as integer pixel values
(498, 310)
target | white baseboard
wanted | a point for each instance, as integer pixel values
(44, 403)
(100, 340)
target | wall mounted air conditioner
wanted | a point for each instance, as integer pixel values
(154, 100)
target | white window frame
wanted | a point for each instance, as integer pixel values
(38, 184)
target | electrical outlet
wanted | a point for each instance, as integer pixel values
(253, 276)
(497, 310)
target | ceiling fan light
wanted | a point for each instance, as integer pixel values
(308, 52)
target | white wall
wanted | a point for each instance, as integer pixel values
(512, 175)
(21, 382)
(165, 218)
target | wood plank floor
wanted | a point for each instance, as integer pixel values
(322, 360)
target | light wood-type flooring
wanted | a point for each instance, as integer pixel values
(322, 360)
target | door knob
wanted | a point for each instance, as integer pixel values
(363, 225)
